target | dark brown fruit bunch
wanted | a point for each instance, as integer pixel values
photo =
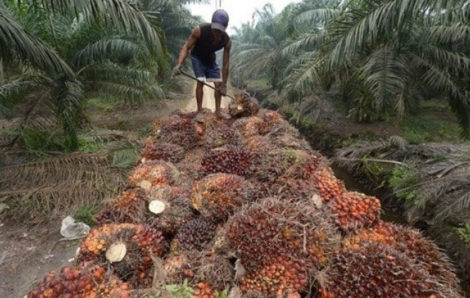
(270, 228)
(230, 160)
(83, 281)
(243, 106)
(155, 150)
(154, 173)
(195, 234)
(375, 270)
(278, 277)
(141, 242)
(353, 211)
(218, 195)
(179, 131)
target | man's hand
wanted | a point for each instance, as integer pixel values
(223, 90)
(176, 70)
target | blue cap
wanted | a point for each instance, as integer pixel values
(220, 20)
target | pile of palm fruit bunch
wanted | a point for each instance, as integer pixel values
(244, 206)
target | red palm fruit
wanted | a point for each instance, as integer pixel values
(155, 150)
(353, 211)
(83, 281)
(218, 195)
(180, 131)
(230, 160)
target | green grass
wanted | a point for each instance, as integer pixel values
(86, 214)
(103, 104)
(434, 123)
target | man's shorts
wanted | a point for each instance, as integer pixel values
(209, 73)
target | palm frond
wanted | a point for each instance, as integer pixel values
(106, 49)
(385, 75)
(129, 84)
(15, 41)
(120, 13)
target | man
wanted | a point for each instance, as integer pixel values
(204, 41)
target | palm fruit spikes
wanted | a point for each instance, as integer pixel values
(375, 270)
(230, 160)
(411, 243)
(83, 281)
(141, 242)
(195, 234)
(270, 228)
(155, 150)
(218, 195)
(154, 173)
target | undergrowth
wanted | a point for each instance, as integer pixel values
(402, 180)
(464, 233)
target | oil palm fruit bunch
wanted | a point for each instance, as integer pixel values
(177, 210)
(410, 242)
(217, 196)
(127, 248)
(250, 126)
(154, 173)
(181, 131)
(83, 281)
(353, 211)
(243, 106)
(272, 227)
(156, 150)
(217, 135)
(195, 234)
(276, 278)
(329, 187)
(376, 270)
(230, 160)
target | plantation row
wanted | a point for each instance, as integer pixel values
(245, 206)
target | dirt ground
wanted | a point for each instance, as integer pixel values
(27, 252)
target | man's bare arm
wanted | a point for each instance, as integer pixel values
(226, 63)
(189, 44)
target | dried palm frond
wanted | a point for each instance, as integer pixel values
(57, 185)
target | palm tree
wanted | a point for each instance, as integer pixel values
(107, 46)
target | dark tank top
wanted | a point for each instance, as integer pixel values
(204, 49)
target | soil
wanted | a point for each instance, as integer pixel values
(28, 252)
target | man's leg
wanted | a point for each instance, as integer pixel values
(199, 95)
